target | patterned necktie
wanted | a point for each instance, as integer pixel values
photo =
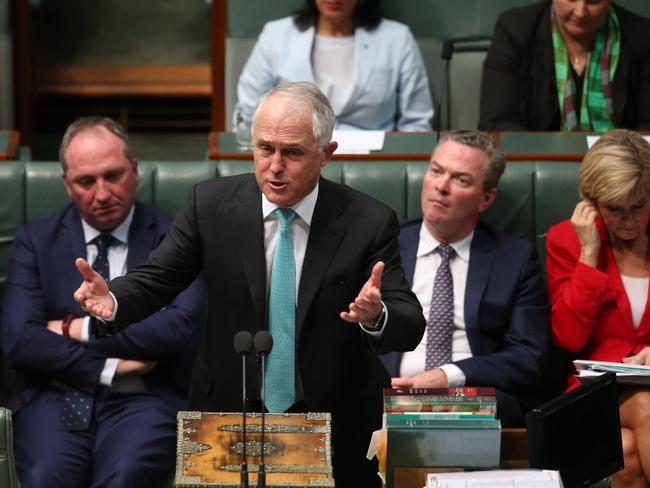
(103, 242)
(77, 404)
(280, 368)
(440, 326)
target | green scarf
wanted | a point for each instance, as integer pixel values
(596, 107)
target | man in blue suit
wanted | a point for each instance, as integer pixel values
(487, 306)
(90, 412)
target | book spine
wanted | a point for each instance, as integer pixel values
(441, 407)
(451, 424)
(460, 391)
(433, 421)
(435, 399)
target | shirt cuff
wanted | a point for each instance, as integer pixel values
(108, 373)
(112, 317)
(85, 330)
(379, 329)
(455, 376)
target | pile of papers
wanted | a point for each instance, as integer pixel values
(627, 374)
(522, 478)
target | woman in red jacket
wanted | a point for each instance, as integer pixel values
(597, 265)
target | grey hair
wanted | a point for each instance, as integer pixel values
(479, 140)
(90, 122)
(323, 118)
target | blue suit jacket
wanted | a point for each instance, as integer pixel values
(506, 312)
(41, 281)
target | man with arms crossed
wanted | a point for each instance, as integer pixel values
(481, 290)
(93, 412)
(331, 254)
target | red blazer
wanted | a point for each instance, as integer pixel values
(590, 311)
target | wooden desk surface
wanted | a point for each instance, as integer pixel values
(9, 144)
(518, 146)
(514, 455)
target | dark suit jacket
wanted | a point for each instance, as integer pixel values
(506, 313)
(518, 88)
(221, 232)
(42, 279)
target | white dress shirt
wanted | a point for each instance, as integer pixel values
(117, 254)
(426, 266)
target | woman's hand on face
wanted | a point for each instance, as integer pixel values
(584, 223)
(642, 358)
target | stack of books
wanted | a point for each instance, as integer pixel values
(449, 427)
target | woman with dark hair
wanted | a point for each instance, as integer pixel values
(567, 65)
(369, 67)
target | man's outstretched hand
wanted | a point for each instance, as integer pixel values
(93, 294)
(366, 307)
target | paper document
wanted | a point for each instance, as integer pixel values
(358, 141)
(511, 478)
(591, 140)
(627, 374)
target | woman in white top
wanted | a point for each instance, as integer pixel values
(598, 267)
(369, 68)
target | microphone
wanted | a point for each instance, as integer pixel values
(263, 345)
(243, 344)
(446, 53)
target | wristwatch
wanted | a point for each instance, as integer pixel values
(65, 325)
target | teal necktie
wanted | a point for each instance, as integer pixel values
(280, 368)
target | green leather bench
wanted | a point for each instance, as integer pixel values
(532, 196)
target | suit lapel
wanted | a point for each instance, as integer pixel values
(409, 241)
(141, 239)
(72, 245)
(325, 235)
(480, 263)
(248, 233)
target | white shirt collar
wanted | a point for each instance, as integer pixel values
(304, 208)
(429, 244)
(121, 232)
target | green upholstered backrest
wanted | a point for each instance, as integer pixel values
(8, 478)
(440, 19)
(398, 184)
(12, 212)
(639, 7)
(556, 195)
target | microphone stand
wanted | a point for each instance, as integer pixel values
(243, 344)
(263, 344)
(244, 464)
(446, 54)
(261, 475)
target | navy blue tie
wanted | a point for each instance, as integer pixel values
(103, 242)
(77, 404)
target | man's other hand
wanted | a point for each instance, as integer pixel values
(434, 378)
(367, 305)
(93, 294)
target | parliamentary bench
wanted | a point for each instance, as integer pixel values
(532, 196)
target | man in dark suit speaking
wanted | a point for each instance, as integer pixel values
(315, 262)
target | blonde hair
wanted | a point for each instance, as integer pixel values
(616, 168)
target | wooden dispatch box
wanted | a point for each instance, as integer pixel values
(297, 449)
